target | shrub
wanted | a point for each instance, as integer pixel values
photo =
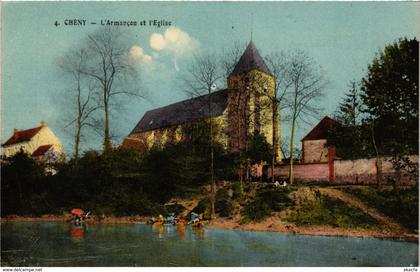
(223, 205)
(266, 202)
(203, 206)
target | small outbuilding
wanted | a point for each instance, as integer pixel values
(314, 144)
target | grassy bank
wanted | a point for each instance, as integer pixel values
(401, 205)
(327, 211)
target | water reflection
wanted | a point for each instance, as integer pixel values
(159, 230)
(198, 232)
(180, 231)
(59, 244)
(77, 231)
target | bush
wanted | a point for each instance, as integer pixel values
(223, 205)
(266, 202)
(203, 206)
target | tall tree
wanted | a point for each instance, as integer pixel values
(304, 83)
(109, 65)
(390, 97)
(202, 78)
(350, 107)
(278, 66)
(81, 95)
(350, 136)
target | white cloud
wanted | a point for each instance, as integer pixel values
(157, 41)
(174, 40)
(147, 59)
(136, 54)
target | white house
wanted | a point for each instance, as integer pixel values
(39, 142)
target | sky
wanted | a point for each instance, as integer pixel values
(342, 37)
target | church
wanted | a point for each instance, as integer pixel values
(248, 105)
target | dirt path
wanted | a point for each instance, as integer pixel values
(355, 202)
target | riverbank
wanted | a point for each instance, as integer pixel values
(271, 224)
(65, 218)
(274, 225)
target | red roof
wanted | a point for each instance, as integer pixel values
(320, 131)
(41, 150)
(22, 136)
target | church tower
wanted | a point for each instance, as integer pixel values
(252, 103)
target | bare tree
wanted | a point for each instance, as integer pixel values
(110, 67)
(278, 66)
(230, 57)
(203, 71)
(304, 83)
(81, 94)
(202, 77)
(284, 147)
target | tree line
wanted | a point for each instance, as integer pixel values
(120, 181)
(379, 114)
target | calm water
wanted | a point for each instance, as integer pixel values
(60, 244)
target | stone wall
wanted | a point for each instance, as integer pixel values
(362, 171)
(308, 172)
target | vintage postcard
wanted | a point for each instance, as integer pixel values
(209, 134)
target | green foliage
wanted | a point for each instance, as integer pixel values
(203, 206)
(391, 86)
(384, 108)
(117, 181)
(390, 97)
(267, 201)
(351, 142)
(351, 138)
(20, 175)
(332, 212)
(121, 182)
(401, 205)
(258, 149)
(224, 203)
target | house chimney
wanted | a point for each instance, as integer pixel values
(42, 124)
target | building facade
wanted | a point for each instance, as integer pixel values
(39, 143)
(247, 106)
(314, 144)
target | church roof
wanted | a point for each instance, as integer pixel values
(20, 136)
(183, 112)
(250, 59)
(320, 131)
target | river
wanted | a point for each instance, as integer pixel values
(61, 244)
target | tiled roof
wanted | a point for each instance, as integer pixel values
(133, 144)
(40, 151)
(22, 136)
(250, 59)
(183, 112)
(320, 131)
